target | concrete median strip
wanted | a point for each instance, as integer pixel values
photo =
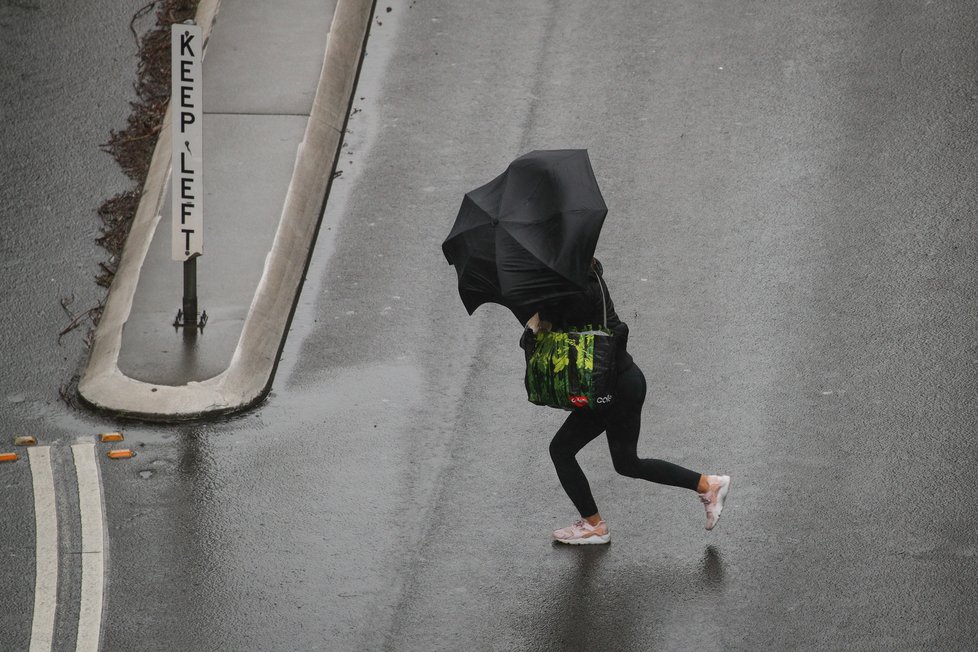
(248, 377)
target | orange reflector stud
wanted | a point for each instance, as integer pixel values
(121, 454)
(111, 436)
(26, 440)
(8, 457)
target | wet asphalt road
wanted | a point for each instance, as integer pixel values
(66, 74)
(791, 239)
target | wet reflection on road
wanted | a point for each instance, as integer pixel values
(591, 599)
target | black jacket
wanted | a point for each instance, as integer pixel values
(586, 309)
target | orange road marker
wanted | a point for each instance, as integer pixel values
(8, 457)
(121, 454)
(26, 440)
(111, 436)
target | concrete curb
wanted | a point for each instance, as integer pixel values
(248, 378)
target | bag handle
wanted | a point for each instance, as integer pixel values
(604, 305)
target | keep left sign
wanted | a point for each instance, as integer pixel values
(186, 117)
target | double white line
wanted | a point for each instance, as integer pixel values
(92, 548)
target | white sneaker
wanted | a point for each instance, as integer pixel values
(713, 498)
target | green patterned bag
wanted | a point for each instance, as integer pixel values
(571, 369)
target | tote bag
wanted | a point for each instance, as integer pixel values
(572, 369)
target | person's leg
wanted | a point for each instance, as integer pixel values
(624, 427)
(578, 430)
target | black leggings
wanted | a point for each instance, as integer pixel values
(623, 421)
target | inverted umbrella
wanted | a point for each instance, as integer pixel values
(527, 237)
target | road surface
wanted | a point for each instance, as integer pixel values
(790, 239)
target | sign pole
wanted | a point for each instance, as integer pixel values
(186, 165)
(190, 294)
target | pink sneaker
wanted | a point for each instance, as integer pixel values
(583, 533)
(713, 498)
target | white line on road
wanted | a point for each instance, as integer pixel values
(92, 547)
(46, 556)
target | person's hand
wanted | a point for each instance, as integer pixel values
(536, 324)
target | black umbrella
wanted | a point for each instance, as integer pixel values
(528, 236)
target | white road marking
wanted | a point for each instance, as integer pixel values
(46, 555)
(92, 547)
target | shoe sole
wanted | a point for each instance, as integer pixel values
(720, 498)
(586, 541)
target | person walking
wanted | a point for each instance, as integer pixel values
(621, 420)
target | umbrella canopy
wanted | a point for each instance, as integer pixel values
(528, 236)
